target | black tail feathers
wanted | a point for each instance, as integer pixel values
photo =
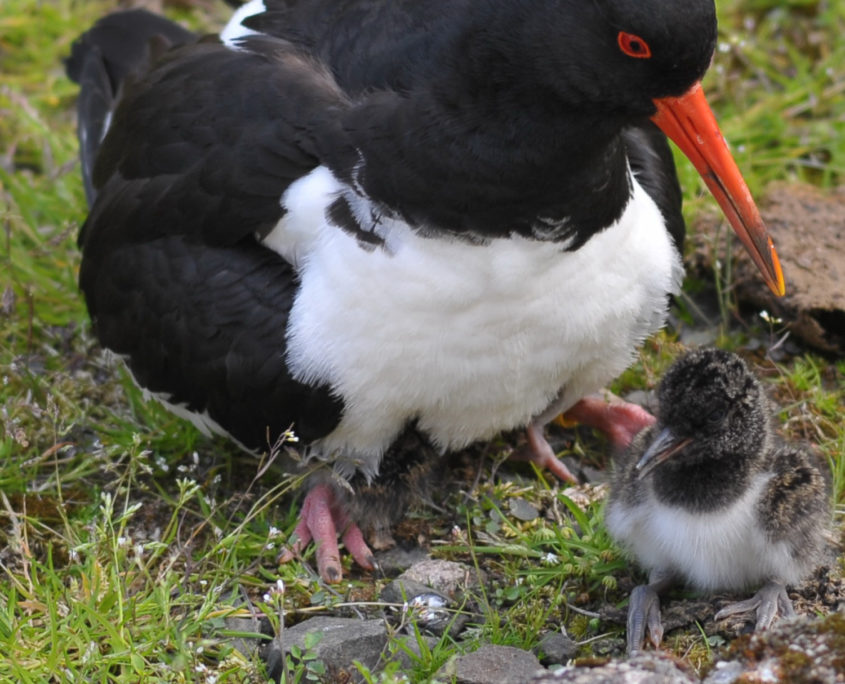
(115, 48)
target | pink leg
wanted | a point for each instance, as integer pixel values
(542, 455)
(320, 519)
(618, 419)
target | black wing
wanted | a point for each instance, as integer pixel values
(200, 149)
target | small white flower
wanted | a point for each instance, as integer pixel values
(771, 320)
(550, 558)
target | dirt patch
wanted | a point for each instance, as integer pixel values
(808, 228)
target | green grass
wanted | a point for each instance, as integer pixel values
(126, 537)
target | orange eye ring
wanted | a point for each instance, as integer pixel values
(633, 46)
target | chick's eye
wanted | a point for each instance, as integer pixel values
(633, 46)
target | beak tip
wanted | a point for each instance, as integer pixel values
(778, 286)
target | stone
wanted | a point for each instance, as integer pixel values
(446, 577)
(555, 649)
(342, 641)
(803, 649)
(522, 509)
(648, 667)
(492, 665)
(398, 559)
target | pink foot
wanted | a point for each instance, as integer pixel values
(321, 518)
(618, 419)
(540, 453)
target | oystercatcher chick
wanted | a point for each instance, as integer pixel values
(710, 496)
(392, 222)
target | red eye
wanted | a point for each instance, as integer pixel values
(633, 46)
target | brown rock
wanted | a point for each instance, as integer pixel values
(808, 228)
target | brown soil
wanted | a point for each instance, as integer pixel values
(808, 228)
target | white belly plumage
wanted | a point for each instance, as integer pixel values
(466, 339)
(726, 549)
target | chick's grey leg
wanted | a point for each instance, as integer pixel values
(644, 612)
(770, 602)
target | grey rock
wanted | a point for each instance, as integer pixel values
(522, 509)
(644, 668)
(725, 672)
(396, 560)
(802, 649)
(445, 577)
(342, 641)
(555, 649)
(492, 665)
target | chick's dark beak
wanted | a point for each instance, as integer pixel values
(664, 446)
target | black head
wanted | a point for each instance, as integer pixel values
(713, 410)
(620, 54)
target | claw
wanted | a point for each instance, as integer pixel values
(320, 520)
(769, 603)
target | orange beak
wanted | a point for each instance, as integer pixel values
(689, 122)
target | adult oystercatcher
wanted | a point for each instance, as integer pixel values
(393, 222)
(711, 496)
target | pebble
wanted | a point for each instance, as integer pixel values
(556, 649)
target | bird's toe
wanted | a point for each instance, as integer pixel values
(769, 603)
(619, 420)
(540, 453)
(320, 521)
(644, 618)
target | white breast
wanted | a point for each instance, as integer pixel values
(723, 550)
(467, 339)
